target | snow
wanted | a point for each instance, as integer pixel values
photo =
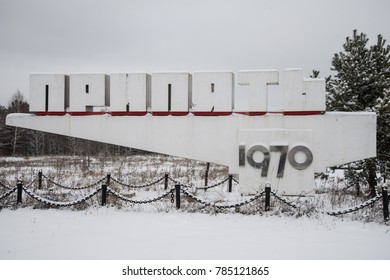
(109, 233)
(124, 231)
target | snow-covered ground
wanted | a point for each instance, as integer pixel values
(159, 231)
(108, 233)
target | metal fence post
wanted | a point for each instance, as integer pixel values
(19, 185)
(40, 179)
(267, 196)
(177, 191)
(385, 197)
(357, 189)
(230, 182)
(166, 181)
(108, 180)
(206, 175)
(104, 194)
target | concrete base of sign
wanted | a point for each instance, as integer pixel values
(332, 138)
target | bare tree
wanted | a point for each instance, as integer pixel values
(17, 104)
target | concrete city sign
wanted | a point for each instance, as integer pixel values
(194, 116)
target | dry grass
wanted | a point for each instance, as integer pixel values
(141, 169)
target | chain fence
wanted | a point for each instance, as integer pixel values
(213, 186)
(127, 199)
(218, 206)
(285, 201)
(178, 182)
(60, 203)
(8, 193)
(355, 208)
(74, 188)
(4, 186)
(137, 186)
(183, 188)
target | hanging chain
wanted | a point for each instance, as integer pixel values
(8, 193)
(178, 182)
(235, 180)
(213, 186)
(73, 188)
(4, 186)
(172, 196)
(237, 205)
(138, 186)
(285, 201)
(60, 203)
(356, 208)
(124, 198)
(170, 192)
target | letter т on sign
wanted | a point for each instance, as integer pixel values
(194, 116)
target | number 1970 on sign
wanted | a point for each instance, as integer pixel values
(284, 153)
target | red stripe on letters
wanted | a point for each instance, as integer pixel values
(135, 113)
(252, 113)
(50, 113)
(179, 113)
(302, 113)
(212, 113)
(87, 113)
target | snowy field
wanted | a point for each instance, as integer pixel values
(159, 231)
(107, 233)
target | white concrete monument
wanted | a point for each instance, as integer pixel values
(193, 116)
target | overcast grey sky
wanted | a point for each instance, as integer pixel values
(108, 36)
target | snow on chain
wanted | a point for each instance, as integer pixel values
(284, 200)
(356, 208)
(72, 188)
(8, 193)
(60, 203)
(213, 186)
(171, 191)
(137, 186)
(4, 186)
(206, 203)
(124, 198)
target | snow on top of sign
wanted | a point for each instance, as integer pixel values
(213, 71)
(259, 70)
(172, 72)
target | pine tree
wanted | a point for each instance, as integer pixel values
(362, 83)
(315, 74)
